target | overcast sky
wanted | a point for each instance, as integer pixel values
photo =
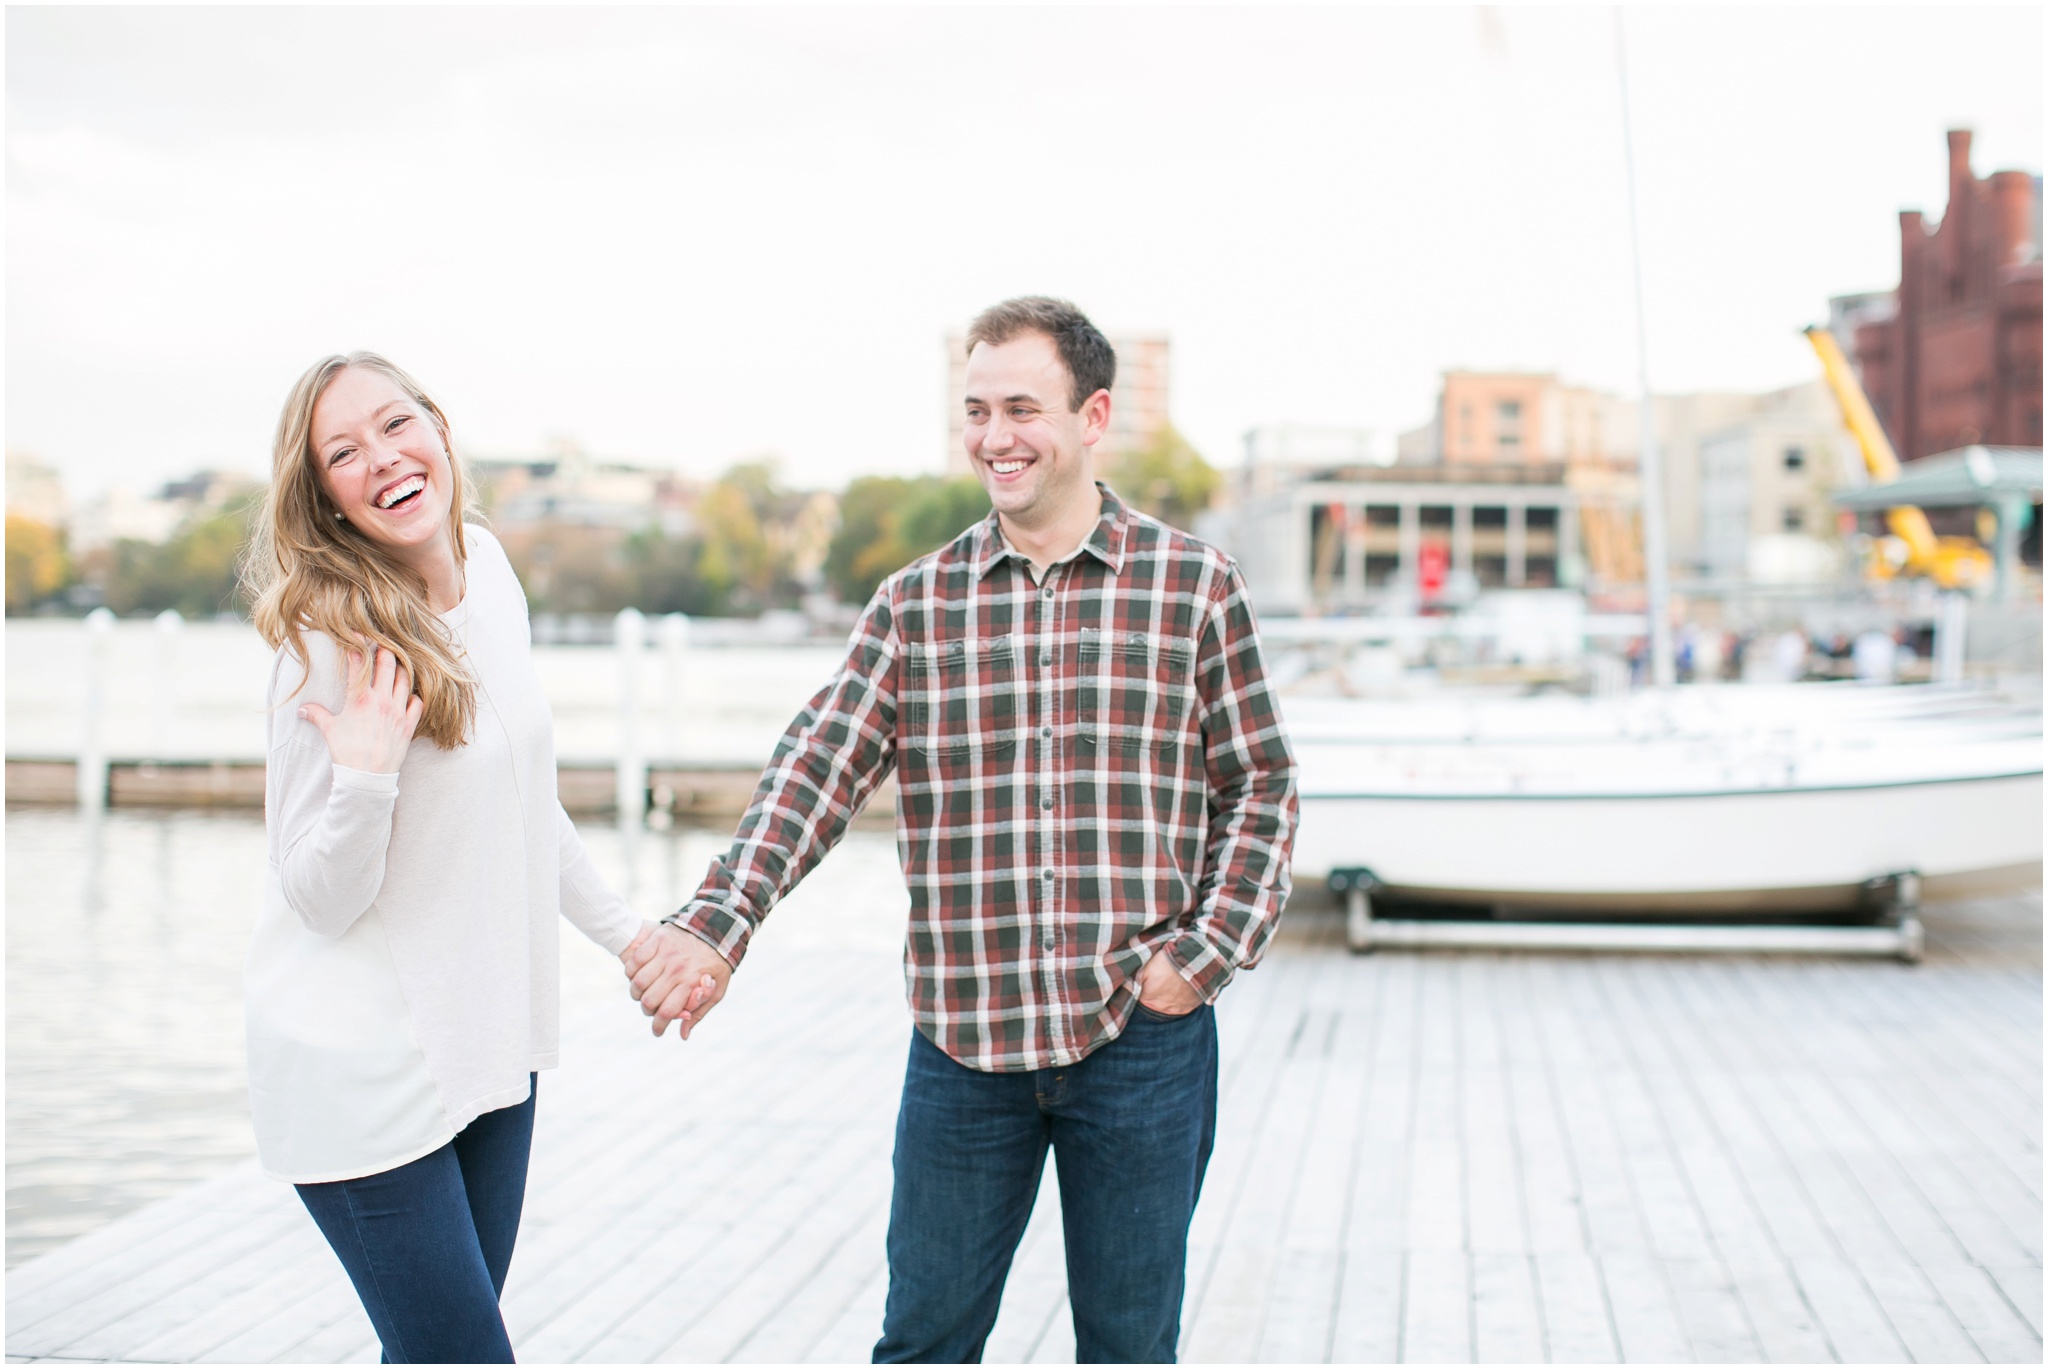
(686, 236)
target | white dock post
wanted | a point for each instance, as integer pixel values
(675, 650)
(92, 750)
(169, 625)
(629, 635)
(1949, 631)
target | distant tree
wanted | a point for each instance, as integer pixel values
(737, 563)
(37, 563)
(193, 572)
(1167, 478)
(570, 568)
(668, 575)
(886, 522)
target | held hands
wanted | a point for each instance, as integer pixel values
(1161, 988)
(378, 714)
(675, 976)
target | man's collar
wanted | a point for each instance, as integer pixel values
(1106, 542)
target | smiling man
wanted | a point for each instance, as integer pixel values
(1096, 804)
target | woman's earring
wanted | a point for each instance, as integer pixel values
(340, 517)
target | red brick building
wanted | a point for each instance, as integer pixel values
(1958, 360)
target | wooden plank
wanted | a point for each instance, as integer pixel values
(1671, 1219)
(1717, 1326)
(125, 1301)
(284, 1276)
(1436, 1219)
(1301, 1308)
(1646, 1319)
(134, 1240)
(1855, 1324)
(1436, 1318)
(789, 1336)
(1226, 1318)
(74, 1272)
(1549, 1189)
(743, 1255)
(676, 1272)
(1229, 1318)
(760, 1297)
(340, 1342)
(1366, 1323)
(1507, 1324)
(1785, 1325)
(1918, 1315)
(1302, 1313)
(1772, 1307)
(851, 1337)
(1998, 1330)
(1578, 1327)
(566, 1258)
(1609, 1210)
(1370, 1292)
(2021, 1285)
(273, 1338)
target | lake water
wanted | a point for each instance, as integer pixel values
(125, 938)
(198, 694)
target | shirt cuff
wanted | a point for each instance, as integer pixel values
(726, 931)
(366, 781)
(1196, 961)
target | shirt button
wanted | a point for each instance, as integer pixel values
(1047, 876)
(1045, 658)
(1046, 732)
(1047, 804)
(1047, 591)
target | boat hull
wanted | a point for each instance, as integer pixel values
(1790, 849)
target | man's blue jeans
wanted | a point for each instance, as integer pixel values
(427, 1244)
(1130, 1129)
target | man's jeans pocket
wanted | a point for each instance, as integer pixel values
(1154, 1015)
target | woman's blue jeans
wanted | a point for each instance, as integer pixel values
(427, 1244)
(1130, 1128)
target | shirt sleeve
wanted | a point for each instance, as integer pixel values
(826, 767)
(1253, 804)
(329, 826)
(593, 906)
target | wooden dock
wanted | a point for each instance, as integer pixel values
(1422, 1156)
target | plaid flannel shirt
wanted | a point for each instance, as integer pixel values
(1091, 770)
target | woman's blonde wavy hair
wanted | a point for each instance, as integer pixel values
(309, 571)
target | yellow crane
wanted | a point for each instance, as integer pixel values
(1951, 562)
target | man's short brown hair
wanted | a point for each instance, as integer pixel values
(1084, 351)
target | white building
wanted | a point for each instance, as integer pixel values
(1764, 481)
(569, 486)
(1352, 537)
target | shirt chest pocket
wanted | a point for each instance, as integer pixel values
(960, 698)
(1137, 690)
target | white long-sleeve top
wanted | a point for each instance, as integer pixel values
(403, 978)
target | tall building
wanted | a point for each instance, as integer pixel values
(1957, 361)
(1137, 401)
(1507, 418)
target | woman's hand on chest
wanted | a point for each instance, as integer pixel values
(378, 714)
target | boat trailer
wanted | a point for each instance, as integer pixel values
(1895, 897)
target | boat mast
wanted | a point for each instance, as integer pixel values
(1656, 565)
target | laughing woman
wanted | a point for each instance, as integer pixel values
(402, 981)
